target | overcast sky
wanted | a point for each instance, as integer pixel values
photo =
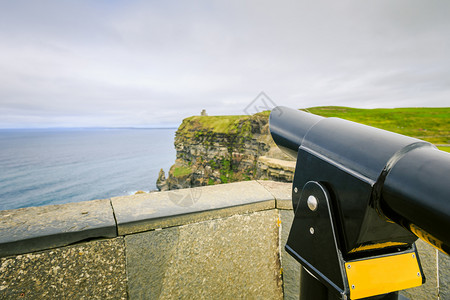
(153, 63)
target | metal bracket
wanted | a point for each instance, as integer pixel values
(312, 240)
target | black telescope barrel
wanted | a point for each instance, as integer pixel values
(415, 191)
(289, 126)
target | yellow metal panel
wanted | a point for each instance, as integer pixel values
(382, 275)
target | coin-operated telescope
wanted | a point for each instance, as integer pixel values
(361, 198)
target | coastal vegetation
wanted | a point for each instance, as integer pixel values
(431, 124)
(201, 125)
(181, 171)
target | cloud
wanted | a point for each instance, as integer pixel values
(143, 63)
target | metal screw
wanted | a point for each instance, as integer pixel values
(312, 203)
(311, 230)
(349, 266)
(353, 286)
(418, 274)
(413, 256)
(295, 190)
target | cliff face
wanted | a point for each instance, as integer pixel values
(221, 149)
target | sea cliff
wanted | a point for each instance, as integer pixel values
(221, 149)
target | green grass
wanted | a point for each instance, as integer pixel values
(446, 149)
(430, 124)
(218, 124)
(181, 171)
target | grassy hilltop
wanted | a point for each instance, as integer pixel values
(429, 124)
(217, 124)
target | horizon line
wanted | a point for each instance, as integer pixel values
(88, 127)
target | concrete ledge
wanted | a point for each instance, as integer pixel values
(33, 229)
(184, 219)
(171, 208)
(37, 228)
(281, 191)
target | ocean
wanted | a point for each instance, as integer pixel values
(55, 166)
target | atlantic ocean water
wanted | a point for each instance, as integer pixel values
(55, 166)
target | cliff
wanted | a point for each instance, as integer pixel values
(222, 149)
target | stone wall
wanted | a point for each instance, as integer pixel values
(224, 241)
(210, 242)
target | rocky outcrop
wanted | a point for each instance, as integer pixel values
(275, 169)
(161, 182)
(221, 149)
